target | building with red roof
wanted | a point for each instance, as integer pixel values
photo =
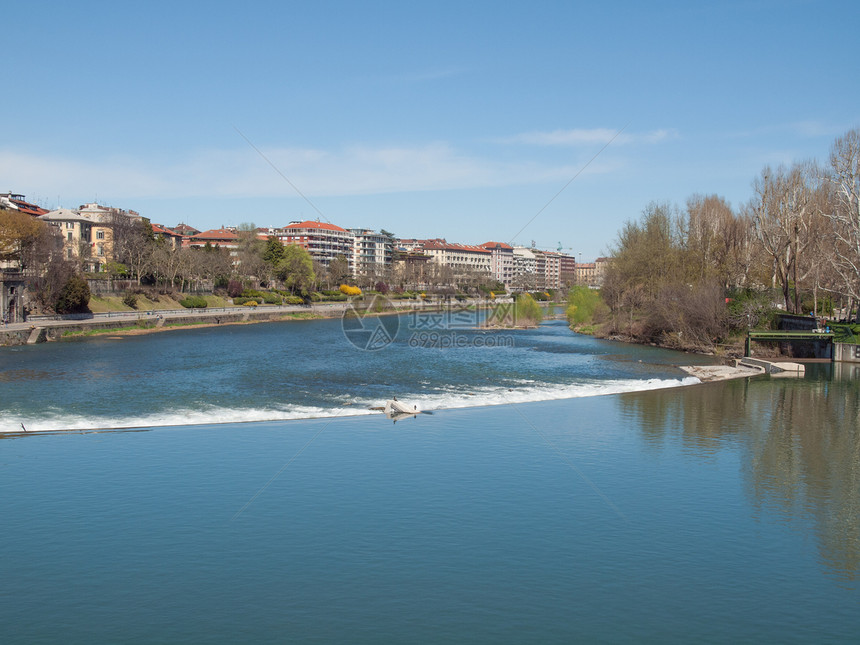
(14, 202)
(322, 240)
(501, 261)
(220, 237)
(170, 237)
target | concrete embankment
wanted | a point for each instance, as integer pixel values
(57, 328)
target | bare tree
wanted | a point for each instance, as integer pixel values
(783, 209)
(844, 212)
(133, 244)
(717, 241)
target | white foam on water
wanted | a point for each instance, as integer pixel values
(454, 397)
(481, 396)
(169, 418)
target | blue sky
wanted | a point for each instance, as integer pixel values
(447, 119)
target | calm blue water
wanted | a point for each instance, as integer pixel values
(715, 513)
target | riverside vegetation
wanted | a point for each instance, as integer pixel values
(697, 278)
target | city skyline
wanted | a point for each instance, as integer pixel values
(554, 122)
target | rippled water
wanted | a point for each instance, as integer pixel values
(715, 513)
(303, 369)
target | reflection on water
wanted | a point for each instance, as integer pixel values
(798, 441)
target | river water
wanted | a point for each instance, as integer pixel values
(525, 508)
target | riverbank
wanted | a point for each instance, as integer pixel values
(51, 329)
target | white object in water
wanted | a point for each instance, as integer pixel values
(395, 407)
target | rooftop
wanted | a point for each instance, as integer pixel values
(318, 225)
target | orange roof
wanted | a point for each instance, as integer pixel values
(216, 234)
(158, 229)
(496, 245)
(184, 229)
(311, 224)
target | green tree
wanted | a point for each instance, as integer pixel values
(274, 251)
(296, 269)
(583, 305)
(74, 297)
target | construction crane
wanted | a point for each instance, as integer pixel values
(564, 248)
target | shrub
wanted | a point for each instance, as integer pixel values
(294, 300)
(584, 305)
(527, 311)
(234, 288)
(748, 308)
(250, 303)
(350, 291)
(129, 299)
(194, 302)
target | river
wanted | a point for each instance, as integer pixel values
(230, 484)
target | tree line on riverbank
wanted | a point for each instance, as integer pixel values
(691, 277)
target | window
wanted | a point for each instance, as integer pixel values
(100, 235)
(100, 249)
(69, 236)
(69, 254)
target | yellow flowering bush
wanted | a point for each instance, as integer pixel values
(350, 291)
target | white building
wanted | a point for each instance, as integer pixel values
(372, 252)
(323, 241)
(461, 258)
(525, 269)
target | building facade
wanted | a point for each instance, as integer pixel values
(501, 262)
(76, 233)
(323, 241)
(372, 252)
(591, 273)
(462, 259)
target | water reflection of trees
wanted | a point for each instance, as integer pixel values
(799, 441)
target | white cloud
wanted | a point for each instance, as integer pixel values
(585, 137)
(358, 170)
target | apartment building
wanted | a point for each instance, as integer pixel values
(461, 258)
(76, 232)
(372, 252)
(591, 273)
(501, 261)
(322, 240)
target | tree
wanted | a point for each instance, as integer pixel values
(133, 245)
(250, 252)
(338, 270)
(716, 241)
(74, 296)
(296, 269)
(527, 312)
(844, 212)
(783, 208)
(273, 252)
(18, 231)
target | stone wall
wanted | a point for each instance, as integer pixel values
(846, 353)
